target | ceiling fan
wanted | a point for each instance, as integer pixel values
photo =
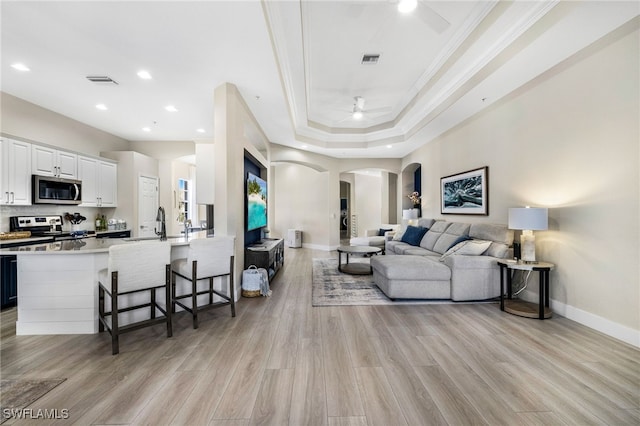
(358, 111)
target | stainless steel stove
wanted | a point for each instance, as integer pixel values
(44, 226)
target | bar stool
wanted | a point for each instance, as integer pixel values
(207, 258)
(134, 268)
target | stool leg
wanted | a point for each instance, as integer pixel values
(232, 290)
(210, 290)
(173, 293)
(115, 337)
(167, 299)
(100, 308)
(194, 295)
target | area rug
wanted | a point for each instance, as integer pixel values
(18, 394)
(333, 288)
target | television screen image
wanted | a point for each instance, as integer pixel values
(256, 202)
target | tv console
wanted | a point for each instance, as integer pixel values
(267, 253)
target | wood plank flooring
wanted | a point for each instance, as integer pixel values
(283, 362)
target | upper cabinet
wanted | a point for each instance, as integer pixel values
(15, 176)
(52, 162)
(99, 182)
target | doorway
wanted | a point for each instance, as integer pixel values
(147, 205)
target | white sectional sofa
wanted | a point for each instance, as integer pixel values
(376, 237)
(442, 266)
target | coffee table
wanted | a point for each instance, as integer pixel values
(356, 268)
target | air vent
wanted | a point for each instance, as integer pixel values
(103, 79)
(370, 58)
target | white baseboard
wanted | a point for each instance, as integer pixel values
(603, 325)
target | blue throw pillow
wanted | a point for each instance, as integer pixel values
(413, 235)
(460, 239)
(382, 231)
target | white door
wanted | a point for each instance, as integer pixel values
(147, 206)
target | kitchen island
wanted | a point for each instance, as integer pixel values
(58, 282)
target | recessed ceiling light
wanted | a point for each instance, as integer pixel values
(406, 6)
(102, 107)
(171, 108)
(146, 129)
(144, 75)
(388, 146)
(20, 67)
(200, 130)
(303, 147)
(357, 115)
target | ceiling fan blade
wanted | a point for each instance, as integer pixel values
(432, 18)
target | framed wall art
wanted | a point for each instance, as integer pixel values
(465, 193)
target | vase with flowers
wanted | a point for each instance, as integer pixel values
(415, 200)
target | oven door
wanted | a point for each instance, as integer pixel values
(52, 190)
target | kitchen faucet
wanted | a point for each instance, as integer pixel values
(160, 217)
(187, 225)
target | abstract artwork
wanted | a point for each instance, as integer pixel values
(465, 193)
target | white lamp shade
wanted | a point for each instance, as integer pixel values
(410, 214)
(530, 218)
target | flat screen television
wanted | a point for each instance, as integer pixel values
(256, 202)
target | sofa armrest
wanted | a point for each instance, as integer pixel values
(388, 236)
(473, 277)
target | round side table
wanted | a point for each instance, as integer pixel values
(521, 307)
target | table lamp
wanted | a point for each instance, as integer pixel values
(410, 215)
(528, 219)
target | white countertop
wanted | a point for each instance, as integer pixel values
(93, 245)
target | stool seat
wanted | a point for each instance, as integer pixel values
(192, 281)
(136, 272)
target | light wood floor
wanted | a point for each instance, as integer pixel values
(283, 362)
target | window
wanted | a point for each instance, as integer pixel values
(184, 200)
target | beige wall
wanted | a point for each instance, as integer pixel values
(235, 131)
(27, 121)
(337, 169)
(567, 141)
(368, 191)
(131, 165)
(301, 203)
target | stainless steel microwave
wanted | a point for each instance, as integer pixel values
(54, 190)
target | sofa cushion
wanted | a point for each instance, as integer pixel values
(419, 251)
(432, 235)
(410, 268)
(492, 232)
(426, 222)
(455, 230)
(499, 250)
(469, 248)
(460, 239)
(413, 235)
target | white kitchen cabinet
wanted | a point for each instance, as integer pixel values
(99, 182)
(46, 161)
(15, 179)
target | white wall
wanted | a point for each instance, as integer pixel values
(568, 141)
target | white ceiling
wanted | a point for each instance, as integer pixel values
(297, 64)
